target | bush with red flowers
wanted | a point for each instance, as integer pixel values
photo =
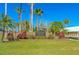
(61, 35)
(22, 35)
(10, 36)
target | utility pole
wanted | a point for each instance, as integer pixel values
(31, 17)
(5, 9)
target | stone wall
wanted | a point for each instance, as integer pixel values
(30, 33)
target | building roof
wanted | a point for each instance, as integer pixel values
(73, 29)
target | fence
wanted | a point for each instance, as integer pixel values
(72, 35)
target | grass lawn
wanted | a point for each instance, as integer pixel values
(40, 46)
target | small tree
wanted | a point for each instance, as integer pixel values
(25, 25)
(56, 27)
(6, 22)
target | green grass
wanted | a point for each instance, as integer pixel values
(40, 46)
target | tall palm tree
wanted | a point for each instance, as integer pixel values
(38, 12)
(19, 10)
(6, 22)
(66, 21)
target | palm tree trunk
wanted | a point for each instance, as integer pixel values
(19, 17)
(3, 34)
(37, 23)
(54, 35)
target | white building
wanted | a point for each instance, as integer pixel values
(73, 32)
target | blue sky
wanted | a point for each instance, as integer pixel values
(52, 12)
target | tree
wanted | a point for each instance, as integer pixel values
(6, 22)
(58, 26)
(38, 12)
(34, 29)
(25, 25)
(19, 10)
(17, 26)
(66, 21)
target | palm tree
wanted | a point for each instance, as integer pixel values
(66, 21)
(17, 26)
(6, 22)
(25, 25)
(19, 10)
(38, 12)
